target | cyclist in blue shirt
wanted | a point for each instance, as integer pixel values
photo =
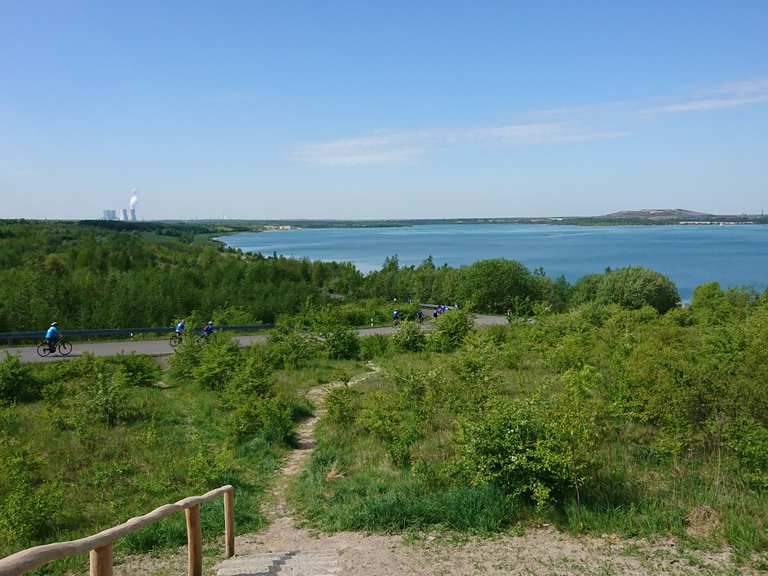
(181, 327)
(52, 336)
(208, 329)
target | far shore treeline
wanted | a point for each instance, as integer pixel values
(102, 274)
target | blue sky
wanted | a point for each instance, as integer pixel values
(382, 110)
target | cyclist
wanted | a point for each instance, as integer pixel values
(419, 316)
(396, 316)
(52, 336)
(181, 327)
(208, 329)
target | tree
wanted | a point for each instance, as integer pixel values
(635, 287)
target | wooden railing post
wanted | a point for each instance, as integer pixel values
(229, 524)
(99, 546)
(194, 541)
(101, 561)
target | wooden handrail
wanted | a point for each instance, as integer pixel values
(100, 545)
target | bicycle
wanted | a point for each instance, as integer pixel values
(202, 339)
(176, 339)
(63, 347)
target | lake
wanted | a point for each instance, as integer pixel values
(689, 255)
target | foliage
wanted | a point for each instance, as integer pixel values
(409, 337)
(29, 509)
(139, 370)
(340, 342)
(605, 418)
(533, 448)
(498, 286)
(17, 384)
(289, 347)
(451, 328)
(638, 287)
(374, 346)
(217, 361)
(102, 445)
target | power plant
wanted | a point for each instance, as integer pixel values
(124, 214)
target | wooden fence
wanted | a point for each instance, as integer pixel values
(100, 545)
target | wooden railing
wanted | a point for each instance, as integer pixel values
(100, 545)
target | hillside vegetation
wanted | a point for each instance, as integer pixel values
(88, 443)
(602, 419)
(103, 274)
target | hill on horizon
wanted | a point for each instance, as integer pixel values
(655, 214)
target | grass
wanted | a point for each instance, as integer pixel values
(177, 447)
(352, 483)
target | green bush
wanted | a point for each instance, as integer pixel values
(184, 361)
(140, 370)
(217, 363)
(269, 417)
(636, 287)
(499, 285)
(373, 346)
(106, 397)
(342, 406)
(748, 439)
(29, 507)
(450, 331)
(534, 448)
(17, 383)
(288, 347)
(342, 343)
(210, 468)
(409, 337)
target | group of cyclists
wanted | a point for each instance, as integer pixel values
(438, 310)
(53, 338)
(181, 330)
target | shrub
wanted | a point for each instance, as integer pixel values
(17, 384)
(635, 287)
(748, 439)
(270, 417)
(184, 361)
(497, 286)
(28, 506)
(409, 337)
(373, 346)
(342, 343)
(210, 468)
(288, 347)
(217, 363)
(139, 370)
(532, 448)
(342, 406)
(451, 329)
(105, 397)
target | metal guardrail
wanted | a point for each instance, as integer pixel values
(9, 337)
(120, 332)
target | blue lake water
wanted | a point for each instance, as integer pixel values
(689, 255)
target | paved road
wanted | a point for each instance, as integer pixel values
(162, 348)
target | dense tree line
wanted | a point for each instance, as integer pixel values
(94, 274)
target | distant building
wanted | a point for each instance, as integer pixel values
(132, 214)
(124, 214)
(110, 215)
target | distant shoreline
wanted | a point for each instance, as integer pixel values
(293, 225)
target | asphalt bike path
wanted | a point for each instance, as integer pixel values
(163, 348)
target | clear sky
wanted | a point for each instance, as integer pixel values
(390, 109)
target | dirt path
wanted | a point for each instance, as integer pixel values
(284, 549)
